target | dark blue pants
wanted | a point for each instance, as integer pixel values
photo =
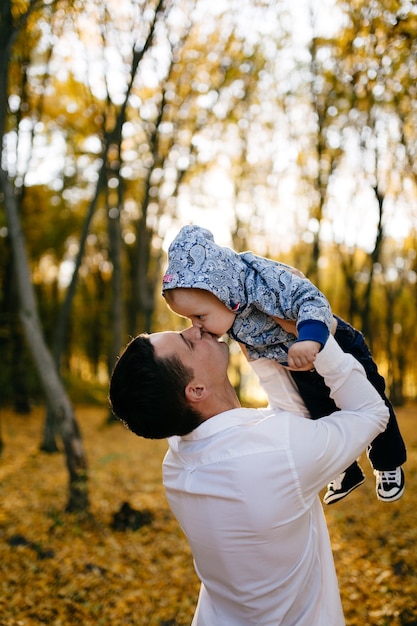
(387, 451)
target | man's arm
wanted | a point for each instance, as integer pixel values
(278, 385)
(346, 378)
(323, 448)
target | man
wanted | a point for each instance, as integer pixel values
(244, 483)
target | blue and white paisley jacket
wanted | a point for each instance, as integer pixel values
(254, 288)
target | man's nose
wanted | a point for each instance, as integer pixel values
(193, 331)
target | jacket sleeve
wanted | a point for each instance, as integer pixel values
(277, 291)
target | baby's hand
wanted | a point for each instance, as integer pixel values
(302, 354)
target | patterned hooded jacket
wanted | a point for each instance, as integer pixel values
(254, 288)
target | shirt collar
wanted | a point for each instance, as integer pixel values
(217, 423)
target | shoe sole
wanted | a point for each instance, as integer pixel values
(392, 498)
(397, 495)
(337, 497)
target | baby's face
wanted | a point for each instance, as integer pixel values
(202, 308)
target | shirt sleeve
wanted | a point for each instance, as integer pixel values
(323, 448)
(279, 386)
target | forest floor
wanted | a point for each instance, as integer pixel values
(65, 570)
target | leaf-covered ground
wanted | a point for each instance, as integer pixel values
(63, 570)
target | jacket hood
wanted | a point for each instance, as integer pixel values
(196, 261)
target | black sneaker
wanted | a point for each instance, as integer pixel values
(389, 484)
(345, 483)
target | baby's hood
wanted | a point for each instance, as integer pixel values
(196, 261)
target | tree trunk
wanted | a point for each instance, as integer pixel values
(375, 257)
(50, 427)
(52, 385)
(13, 341)
(49, 443)
(117, 308)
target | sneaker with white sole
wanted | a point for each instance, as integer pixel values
(390, 484)
(346, 482)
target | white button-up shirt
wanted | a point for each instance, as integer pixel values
(244, 487)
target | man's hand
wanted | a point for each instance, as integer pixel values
(302, 354)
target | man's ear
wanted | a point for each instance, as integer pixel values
(195, 393)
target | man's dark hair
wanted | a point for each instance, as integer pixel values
(147, 393)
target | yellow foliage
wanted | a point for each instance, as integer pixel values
(65, 570)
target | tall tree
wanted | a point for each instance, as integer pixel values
(55, 393)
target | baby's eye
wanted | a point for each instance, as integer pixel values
(200, 317)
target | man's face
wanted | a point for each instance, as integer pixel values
(197, 350)
(202, 308)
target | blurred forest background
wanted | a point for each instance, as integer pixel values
(287, 128)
